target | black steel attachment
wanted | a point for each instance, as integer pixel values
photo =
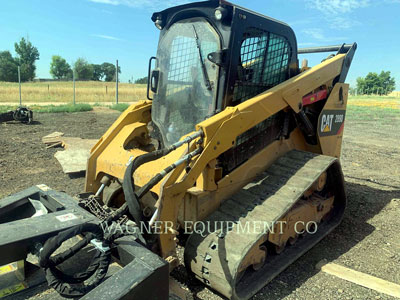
(145, 275)
(38, 220)
(20, 232)
(21, 114)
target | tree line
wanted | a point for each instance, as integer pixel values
(142, 80)
(374, 83)
(27, 55)
(60, 69)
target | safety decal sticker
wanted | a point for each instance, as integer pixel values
(331, 122)
(66, 217)
(12, 289)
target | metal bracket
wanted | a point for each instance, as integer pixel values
(218, 57)
(347, 61)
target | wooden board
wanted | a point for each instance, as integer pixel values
(73, 160)
(76, 154)
(78, 143)
(365, 280)
(52, 138)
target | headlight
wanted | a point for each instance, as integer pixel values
(159, 23)
(220, 13)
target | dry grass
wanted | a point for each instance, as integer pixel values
(98, 92)
(390, 102)
(86, 91)
(395, 94)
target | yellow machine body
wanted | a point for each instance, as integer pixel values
(181, 198)
(264, 145)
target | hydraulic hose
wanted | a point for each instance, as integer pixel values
(72, 286)
(156, 179)
(128, 184)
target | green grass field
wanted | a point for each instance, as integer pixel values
(62, 92)
(381, 109)
(120, 106)
(69, 108)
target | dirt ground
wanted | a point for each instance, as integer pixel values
(367, 240)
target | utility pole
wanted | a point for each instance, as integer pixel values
(116, 83)
(73, 80)
(19, 81)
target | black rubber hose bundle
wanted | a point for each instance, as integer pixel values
(71, 286)
(128, 184)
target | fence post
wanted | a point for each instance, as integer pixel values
(73, 80)
(116, 83)
(19, 83)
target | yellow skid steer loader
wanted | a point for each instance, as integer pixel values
(236, 152)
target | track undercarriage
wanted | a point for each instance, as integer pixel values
(266, 226)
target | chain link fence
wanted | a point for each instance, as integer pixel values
(49, 91)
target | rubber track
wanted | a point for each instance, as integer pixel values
(216, 257)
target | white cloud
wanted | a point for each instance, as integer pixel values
(319, 35)
(153, 4)
(337, 7)
(315, 33)
(340, 22)
(107, 37)
(339, 13)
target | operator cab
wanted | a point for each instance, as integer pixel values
(211, 55)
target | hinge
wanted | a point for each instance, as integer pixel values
(218, 57)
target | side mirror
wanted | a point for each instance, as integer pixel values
(152, 79)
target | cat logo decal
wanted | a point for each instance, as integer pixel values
(331, 122)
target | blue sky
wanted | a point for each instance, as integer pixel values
(106, 30)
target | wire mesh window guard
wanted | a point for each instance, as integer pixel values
(264, 63)
(184, 63)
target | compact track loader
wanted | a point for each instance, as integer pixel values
(235, 155)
